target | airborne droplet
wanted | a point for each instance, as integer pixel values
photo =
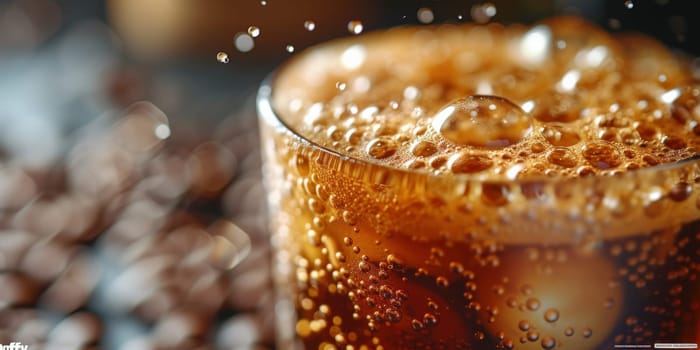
(483, 121)
(310, 25)
(254, 31)
(222, 57)
(355, 27)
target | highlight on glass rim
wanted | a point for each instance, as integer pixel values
(485, 186)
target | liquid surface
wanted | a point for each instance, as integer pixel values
(561, 97)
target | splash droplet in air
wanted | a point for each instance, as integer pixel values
(254, 31)
(243, 42)
(355, 27)
(310, 25)
(482, 13)
(425, 15)
(482, 121)
(289, 48)
(222, 57)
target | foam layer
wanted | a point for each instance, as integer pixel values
(561, 97)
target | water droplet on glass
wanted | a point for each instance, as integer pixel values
(289, 48)
(309, 25)
(587, 332)
(243, 42)
(222, 57)
(254, 31)
(524, 325)
(568, 331)
(355, 27)
(425, 15)
(485, 121)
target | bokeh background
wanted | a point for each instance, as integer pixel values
(131, 206)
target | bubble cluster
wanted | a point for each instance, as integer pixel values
(561, 103)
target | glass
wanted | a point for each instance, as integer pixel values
(368, 256)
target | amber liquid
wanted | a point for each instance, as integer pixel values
(372, 256)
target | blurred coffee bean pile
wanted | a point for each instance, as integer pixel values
(122, 227)
(136, 235)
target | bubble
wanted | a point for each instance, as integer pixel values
(289, 48)
(416, 325)
(381, 147)
(568, 331)
(601, 155)
(482, 121)
(532, 304)
(560, 135)
(355, 27)
(364, 266)
(551, 315)
(243, 42)
(563, 157)
(423, 149)
(429, 319)
(587, 332)
(254, 31)
(629, 4)
(468, 162)
(548, 343)
(222, 57)
(680, 192)
(309, 25)
(263, 2)
(425, 15)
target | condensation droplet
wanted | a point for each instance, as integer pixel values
(482, 121)
(355, 27)
(568, 331)
(222, 57)
(524, 325)
(309, 25)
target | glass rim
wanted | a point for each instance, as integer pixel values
(266, 110)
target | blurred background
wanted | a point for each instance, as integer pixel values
(131, 212)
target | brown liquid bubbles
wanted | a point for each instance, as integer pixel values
(482, 121)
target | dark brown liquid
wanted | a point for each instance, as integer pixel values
(377, 257)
